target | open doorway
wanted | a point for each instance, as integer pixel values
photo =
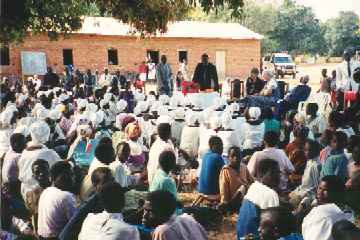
(153, 55)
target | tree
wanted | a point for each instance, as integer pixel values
(342, 32)
(297, 30)
(259, 18)
(65, 16)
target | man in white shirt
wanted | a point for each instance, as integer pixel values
(271, 152)
(109, 225)
(105, 78)
(344, 76)
(57, 204)
(161, 144)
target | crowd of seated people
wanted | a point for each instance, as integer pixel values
(104, 162)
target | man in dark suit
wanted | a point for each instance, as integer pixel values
(51, 79)
(205, 75)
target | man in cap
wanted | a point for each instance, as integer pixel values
(205, 75)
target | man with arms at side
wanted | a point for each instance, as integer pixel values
(205, 75)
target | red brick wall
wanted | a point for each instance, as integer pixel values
(90, 51)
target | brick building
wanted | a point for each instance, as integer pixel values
(105, 42)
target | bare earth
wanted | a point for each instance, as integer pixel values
(314, 71)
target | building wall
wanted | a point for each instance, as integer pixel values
(90, 51)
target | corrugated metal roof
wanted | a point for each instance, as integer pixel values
(181, 29)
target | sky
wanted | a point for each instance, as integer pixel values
(325, 9)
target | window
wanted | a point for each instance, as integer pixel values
(67, 57)
(153, 56)
(183, 55)
(112, 56)
(4, 55)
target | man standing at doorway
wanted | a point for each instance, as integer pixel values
(205, 75)
(163, 77)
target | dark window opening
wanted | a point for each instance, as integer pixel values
(183, 55)
(67, 57)
(153, 56)
(4, 55)
(113, 57)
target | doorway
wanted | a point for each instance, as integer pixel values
(221, 64)
(153, 55)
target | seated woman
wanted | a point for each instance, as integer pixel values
(296, 153)
(83, 148)
(190, 135)
(253, 131)
(271, 124)
(315, 122)
(137, 157)
(311, 177)
(227, 133)
(234, 180)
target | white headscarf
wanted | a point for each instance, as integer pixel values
(42, 113)
(254, 113)
(121, 105)
(39, 132)
(226, 120)
(191, 118)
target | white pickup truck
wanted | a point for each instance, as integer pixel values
(281, 64)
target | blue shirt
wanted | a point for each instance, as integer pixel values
(80, 155)
(292, 236)
(248, 220)
(212, 164)
(162, 181)
(335, 164)
(299, 93)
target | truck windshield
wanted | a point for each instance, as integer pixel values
(282, 60)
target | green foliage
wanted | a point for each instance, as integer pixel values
(342, 32)
(52, 16)
(297, 30)
(64, 16)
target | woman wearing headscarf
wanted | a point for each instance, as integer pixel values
(136, 159)
(254, 130)
(35, 149)
(227, 133)
(7, 120)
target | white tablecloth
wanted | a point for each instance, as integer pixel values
(205, 98)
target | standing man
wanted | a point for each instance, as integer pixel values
(89, 80)
(344, 76)
(163, 77)
(105, 78)
(51, 79)
(205, 75)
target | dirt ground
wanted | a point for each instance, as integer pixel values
(314, 71)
